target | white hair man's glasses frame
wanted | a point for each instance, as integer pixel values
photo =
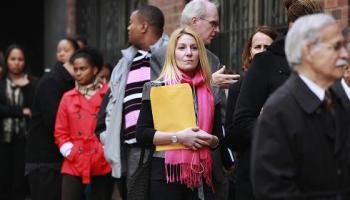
(336, 46)
(213, 24)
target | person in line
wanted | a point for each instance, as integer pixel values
(16, 95)
(268, 70)
(105, 73)
(342, 87)
(186, 62)
(301, 147)
(257, 42)
(202, 16)
(43, 159)
(145, 34)
(84, 162)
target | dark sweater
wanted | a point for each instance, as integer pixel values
(40, 146)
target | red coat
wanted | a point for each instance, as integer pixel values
(76, 122)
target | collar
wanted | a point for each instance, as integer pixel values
(131, 51)
(317, 90)
(306, 98)
(346, 88)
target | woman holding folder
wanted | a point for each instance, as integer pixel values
(183, 172)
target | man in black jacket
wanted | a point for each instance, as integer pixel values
(301, 147)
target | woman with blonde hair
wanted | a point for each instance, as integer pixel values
(184, 173)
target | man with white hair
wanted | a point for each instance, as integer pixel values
(301, 148)
(202, 16)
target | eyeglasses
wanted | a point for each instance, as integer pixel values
(335, 47)
(213, 24)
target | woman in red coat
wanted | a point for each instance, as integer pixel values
(84, 162)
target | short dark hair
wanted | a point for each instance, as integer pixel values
(246, 56)
(92, 55)
(73, 42)
(153, 16)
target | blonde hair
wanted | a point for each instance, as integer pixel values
(170, 72)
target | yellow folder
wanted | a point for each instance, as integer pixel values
(172, 110)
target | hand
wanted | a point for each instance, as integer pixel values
(224, 80)
(212, 140)
(191, 138)
(229, 171)
(27, 112)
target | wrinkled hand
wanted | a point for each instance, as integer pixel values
(224, 80)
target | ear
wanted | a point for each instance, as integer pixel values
(144, 26)
(194, 20)
(308, 52)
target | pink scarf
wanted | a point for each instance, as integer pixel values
(187, 166)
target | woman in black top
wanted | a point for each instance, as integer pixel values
(16, 93)
(186, 63)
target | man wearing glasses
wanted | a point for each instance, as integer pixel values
(301, 147)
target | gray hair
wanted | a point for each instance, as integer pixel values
(195, 8)
(304, 31)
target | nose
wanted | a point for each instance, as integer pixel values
(344, 53)
(188, 51)
(217, 29)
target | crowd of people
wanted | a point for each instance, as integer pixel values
(277, 131)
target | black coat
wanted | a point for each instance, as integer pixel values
(266, 73)
(297, 148)
(15, 111)
(50, 89)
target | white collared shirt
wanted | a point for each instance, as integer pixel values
(346, 88)
(316, 89)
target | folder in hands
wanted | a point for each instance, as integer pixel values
(172, 110)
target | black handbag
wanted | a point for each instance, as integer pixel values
(139, 182)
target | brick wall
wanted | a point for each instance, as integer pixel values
(172, 11)
(339, 9)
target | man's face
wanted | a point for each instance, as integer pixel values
(326, 54)
(207, 26)
(134, 29)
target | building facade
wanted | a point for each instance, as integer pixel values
(104, 22)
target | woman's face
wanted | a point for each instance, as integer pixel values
(186, 53)
(64, 51)
(16, 62)
(260, 42)
(84, 72)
